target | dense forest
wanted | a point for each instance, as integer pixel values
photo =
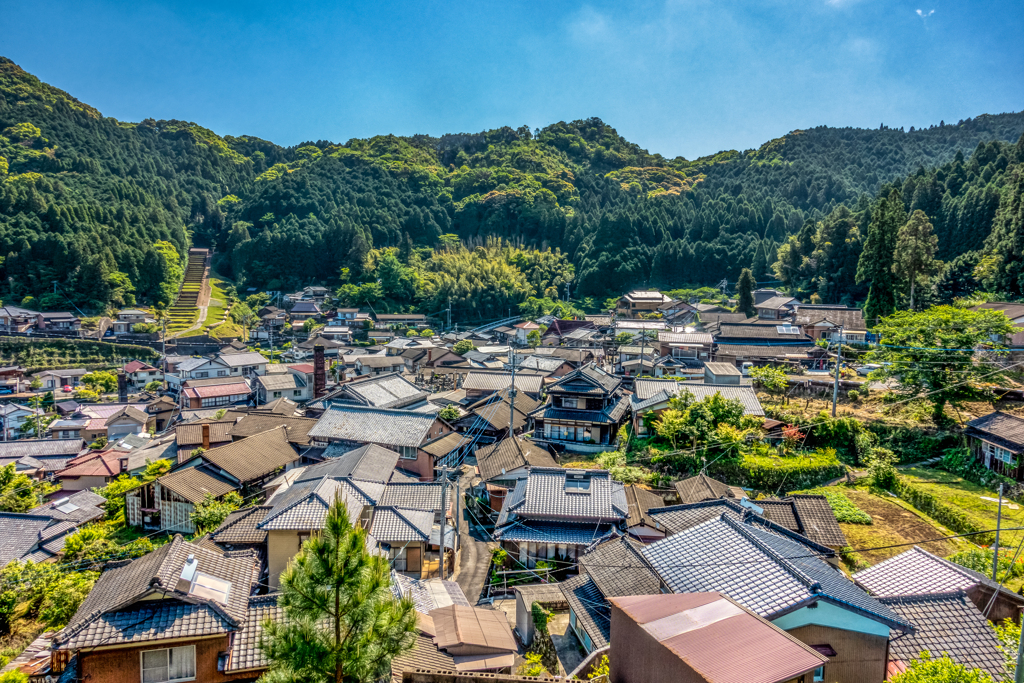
(107, 209)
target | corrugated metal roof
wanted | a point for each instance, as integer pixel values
(193, 483)
(461, 625)
(254, 457)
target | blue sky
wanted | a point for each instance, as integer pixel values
(679, 77)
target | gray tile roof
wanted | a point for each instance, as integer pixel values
(13, 450)
(763, 350)
(241, 527)
(399, 525)
(849, 318)
(245, 652)
(423, 656)
(89, 506)
(304, 505)
(509, 454)
(618, 568)
(765, 571)
(373, 425)
(542, 495)
(591, 610)
(1000, 428)
(19, 533)
(496, 381)
(112, 612)
(700, 391)
(676, 518)
(370, 463)
(946, 623)
(536, 531)
(386, 391)
(236, 360)
(588, 379)
(917, 571)
(281, 381)
(418, 496)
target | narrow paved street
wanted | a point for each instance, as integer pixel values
(476, 544)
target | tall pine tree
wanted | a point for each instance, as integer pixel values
(1006, 242)
(876, 261)
(745, 292)
(341, 622)
(916, 245)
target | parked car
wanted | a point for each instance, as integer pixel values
(4, 391)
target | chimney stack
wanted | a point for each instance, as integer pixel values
(122, 387)
(319, 372)
(206, 436)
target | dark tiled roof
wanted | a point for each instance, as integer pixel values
(640, 501)
(849, 318)
(254, 457)
(89, 506)
(762, 350)
(817, 521)
(535, 531)
(702, 487)
(618, 568)
(592, 612)
(543, 494)
(666, 389)
(510, 454)
(418, 496)
(772, 573)
(586, 379)
(1008, 430)
(676, 518)
(241, 527)
(424, 655)
(112, 612)
(245, 651)
(19, 533)
(496, 381)
(373, 425)
(443, 445)
(304, 505)
(14, 450)
(398, 525)
(946, 623)
(370, 463)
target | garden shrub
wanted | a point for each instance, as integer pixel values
(980, 560)
(771, 473)
(947, 515)
(961, 461)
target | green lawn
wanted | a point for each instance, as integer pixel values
(966, 497)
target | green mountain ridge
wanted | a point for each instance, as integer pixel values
(106, 207)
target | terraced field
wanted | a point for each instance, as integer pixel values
(185, 312)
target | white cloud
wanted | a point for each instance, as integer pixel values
(589, 25)
(924, 15)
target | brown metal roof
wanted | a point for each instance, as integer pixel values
(193, 483)
(719, 639)
(257, 423)
(191, 433)
(459, 625)
(254, 457)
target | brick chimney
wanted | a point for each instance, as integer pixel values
(206, 436)
(122, 387)
(319, 372)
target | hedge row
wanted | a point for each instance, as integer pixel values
(778, 474)
(45, 354)
(944, 514)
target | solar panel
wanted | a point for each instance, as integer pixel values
(787, 329)
(67, 508)
(210, 587)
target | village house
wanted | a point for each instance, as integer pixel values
(404, 431)
(13, 417)
(633, 304)
(558, 329)
(304, 310)
(290, 384)
(996, 440)
(694, 347)
(776, 308)
(56, 380)
(379, 365)
(822, 322)
(702, 488)
(804, 595)
(488, 418)
(1013, 311)
(39, 458)
(167, 502)
(92, 470)
(257, 421)
(32, 537)
(501, 465)
(401, 320)
(128, 319)
(694, 637)
(553, 513)
(139, 374)
(480, 384)
(216, 392)
(919, 572)
(678, 312)
(584, 411)
(17, 319)
(760, 343)
(651, 397)
(640, 524)
(205, 434)
(182, 612)
(59, 321)
(383, 391)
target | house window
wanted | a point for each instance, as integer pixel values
(297, 392)
(819, 674)
(407, 452)
(568, 403)
(303, 537)
(998, 453)
(171, 664)
(572, 619)
(200, 375)
(222, 373)
(277, 394)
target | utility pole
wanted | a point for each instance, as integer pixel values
(444, 511)
(839, 362)
(999, 521)
(512, 389)
(449, 313)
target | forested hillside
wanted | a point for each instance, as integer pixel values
(107, 208)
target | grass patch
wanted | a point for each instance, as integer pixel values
(966, 497)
